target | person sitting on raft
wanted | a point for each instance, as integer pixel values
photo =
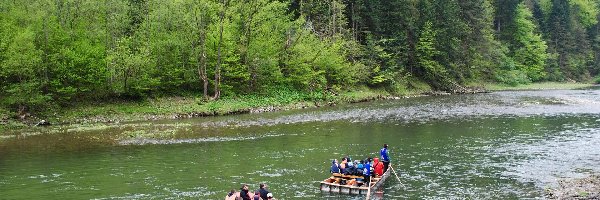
(378, 167)
(245, 193)
(367, 171)
(343, 165)
(263, 191)
(256, 196)
(359, 167)
(232, 195)
(335, 167)
(349, 169)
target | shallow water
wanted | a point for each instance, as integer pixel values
(502, 145)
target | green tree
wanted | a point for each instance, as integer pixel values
(530, 50)
(427, 54)
(20, 69)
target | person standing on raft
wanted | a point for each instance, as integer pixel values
(385, 157)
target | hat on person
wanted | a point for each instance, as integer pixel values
(270, 195)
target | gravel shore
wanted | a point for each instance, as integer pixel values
(583, 188)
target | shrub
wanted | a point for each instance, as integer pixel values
(4, 114)
(512, 77)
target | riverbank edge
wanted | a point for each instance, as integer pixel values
(190, 107)
(538, 86)
(178, 107)
(579, 188)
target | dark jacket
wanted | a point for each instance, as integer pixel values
(244, 195)
(263, 193)
(350, 170)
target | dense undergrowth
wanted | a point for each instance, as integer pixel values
(186, 106)
(174, 107)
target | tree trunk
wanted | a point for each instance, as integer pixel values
(45, 59)
(251, 67)
(202, 57)
(202, 66)
(219, 59)
(205, 78)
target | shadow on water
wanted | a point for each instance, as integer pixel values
(503, 145)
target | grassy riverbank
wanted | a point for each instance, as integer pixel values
(537, 86)
(187, 107)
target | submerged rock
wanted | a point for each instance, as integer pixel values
(43, 123)
(585, 188)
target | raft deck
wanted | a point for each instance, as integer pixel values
(332, 184)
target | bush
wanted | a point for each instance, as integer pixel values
(4, 114)
(26, 97)
(597, 79)
(512, 77)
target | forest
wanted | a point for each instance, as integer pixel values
(55, 53)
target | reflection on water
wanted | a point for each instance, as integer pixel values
(504, 145)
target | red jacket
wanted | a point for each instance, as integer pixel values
(378, 166)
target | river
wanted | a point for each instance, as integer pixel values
(500, 145)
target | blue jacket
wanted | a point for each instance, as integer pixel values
(367, 170)
(384, 155)
(335, 168)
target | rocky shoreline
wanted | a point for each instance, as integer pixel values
(581, 189)
(116, 119)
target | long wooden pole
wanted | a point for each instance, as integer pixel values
(396, 174)
(369, 190)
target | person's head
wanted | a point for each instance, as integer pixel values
(385, 146)
(256, 193)
(355, 162)
(270, 196)
(369, 159)
(376, 159)
(362, 162)
(334, 161)
(262, 185)
(244, 187)
(231, 192)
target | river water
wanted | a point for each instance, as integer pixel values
(501, 145)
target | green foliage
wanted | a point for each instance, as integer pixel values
(19, 69)
(60, 52)
(529, 51)
(383, 70)
(586, 10)
(4, 114)
(545, 6)
(316, 64)
(427, 53)
(597, 80)
(120, 49)
(513, 77)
